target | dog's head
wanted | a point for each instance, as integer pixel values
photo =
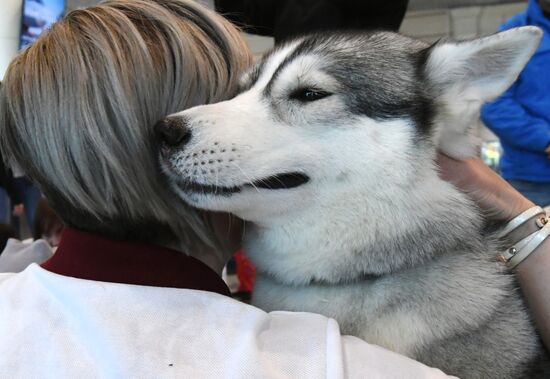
(330, 114)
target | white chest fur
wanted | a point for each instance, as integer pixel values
(400, 284)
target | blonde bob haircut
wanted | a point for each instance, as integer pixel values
(78, 108)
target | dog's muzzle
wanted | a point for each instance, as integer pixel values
(275, 182)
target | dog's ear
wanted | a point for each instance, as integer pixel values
(464, 75)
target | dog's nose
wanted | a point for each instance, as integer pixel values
(173, 131)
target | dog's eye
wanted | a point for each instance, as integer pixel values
(307, 94)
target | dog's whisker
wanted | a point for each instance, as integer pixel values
(217, 180)
(349, 216)
(248, 178)
(229, 224)
(280, 181)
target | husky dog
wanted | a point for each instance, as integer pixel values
(329, 152)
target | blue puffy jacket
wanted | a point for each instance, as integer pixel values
(521, 116)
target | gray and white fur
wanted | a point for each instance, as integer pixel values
(329, 152)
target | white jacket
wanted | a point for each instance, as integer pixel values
(54, 326)
(17, 255)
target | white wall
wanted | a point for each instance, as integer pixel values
(73, 4)
(458, 23)
(10, 24)
(415, 5)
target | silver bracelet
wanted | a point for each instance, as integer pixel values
(508, 254)
(521, 219)
(528, 245)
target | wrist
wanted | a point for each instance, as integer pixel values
(538, 259)
(524, 225)
(525, 233)
(515, 204)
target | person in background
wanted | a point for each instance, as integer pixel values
(133, 290)
(521, 116)
(10, 200)
(134, 287)
(29, 193)
(285, 19)
(502, 203)
(6, 232)
(17, 255)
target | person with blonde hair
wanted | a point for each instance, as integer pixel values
(133, 289)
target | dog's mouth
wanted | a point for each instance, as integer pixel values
(274, 182)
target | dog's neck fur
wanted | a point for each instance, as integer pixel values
(375, 236)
